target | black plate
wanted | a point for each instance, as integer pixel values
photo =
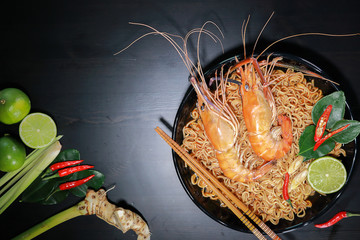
(223, 215)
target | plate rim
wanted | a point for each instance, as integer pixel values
(337, 195)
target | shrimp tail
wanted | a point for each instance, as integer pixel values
(263, 169)
(286, 129)
(252, 175)
(233, 169)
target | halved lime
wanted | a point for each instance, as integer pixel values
(37, 130)
(326, 175)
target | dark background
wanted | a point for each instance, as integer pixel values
(61, 53)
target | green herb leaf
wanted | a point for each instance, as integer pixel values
(55, 198)
(46, 191)
(67, 155)
(348, 134)
(337, 100)
(307, 143)
(40, 190)
(95, 183)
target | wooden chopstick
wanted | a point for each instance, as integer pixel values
(217, 188)
(236, 211)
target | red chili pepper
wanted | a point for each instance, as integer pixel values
(68, 171)
(60, 165)
(285, 189)
(73, 184)
(329, 135)
(336, 219)
(321, 124)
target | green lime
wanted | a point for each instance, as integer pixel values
(12, 154)
(14, 105)
(37, 130)
(326, 175)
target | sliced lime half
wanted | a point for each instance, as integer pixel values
(37, 130)
(327, 175)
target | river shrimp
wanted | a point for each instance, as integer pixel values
(221, 128)
(259, 113)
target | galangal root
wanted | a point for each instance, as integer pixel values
(123, 219)
(94, 203)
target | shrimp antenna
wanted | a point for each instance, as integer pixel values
(257, 40)
(202, 29)
(243, 33)
(182, 51)
(308, 34)
(178, 49)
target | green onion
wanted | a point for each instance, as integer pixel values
(20, 179)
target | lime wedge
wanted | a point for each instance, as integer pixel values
(37, 130)
(326, 175)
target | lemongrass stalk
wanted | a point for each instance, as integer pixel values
(29, 159)
(18, 176)
(51, 222)
(23, 171)
(41, 163)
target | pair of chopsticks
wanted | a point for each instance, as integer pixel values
(219, 189)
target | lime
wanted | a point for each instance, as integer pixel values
(12, 154)
(326, 175)
(14, 105)
(37, 130)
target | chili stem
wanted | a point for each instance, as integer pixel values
(352, 214)
(51, 222)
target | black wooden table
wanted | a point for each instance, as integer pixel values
(61, 53)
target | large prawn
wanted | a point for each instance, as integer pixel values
(259, 112)
(221, 127)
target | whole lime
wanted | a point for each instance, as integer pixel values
(12, 154)
(14, 105)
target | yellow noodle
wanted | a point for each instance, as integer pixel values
(294, 97)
